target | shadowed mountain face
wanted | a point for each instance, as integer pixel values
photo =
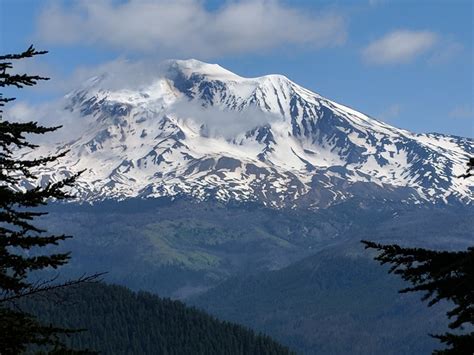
(200, 131)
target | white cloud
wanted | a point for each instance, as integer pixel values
(216, 122)
(462, 111)
(119, 74)
(122, 74)
(399, 46)
(50, 115)
(187, 28)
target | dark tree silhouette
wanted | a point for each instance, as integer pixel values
(22, 244)
(441, 275)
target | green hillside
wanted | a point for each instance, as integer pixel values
(335, 302)
(179, 248)
(123, 322)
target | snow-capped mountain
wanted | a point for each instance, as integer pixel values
(201, 131)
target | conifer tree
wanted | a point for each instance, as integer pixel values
(442, 276)
(22, 243)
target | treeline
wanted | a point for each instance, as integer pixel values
(119, 321)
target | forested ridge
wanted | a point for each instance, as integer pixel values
(335, 302)
(119, 321)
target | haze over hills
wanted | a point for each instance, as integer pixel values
(200, 131)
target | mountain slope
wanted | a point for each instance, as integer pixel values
(199, 130)
(180, 248)
(335, 302)
(119, 321)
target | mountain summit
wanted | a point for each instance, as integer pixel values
(201, 131)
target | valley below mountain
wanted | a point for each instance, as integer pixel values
(299, 276)
(180, 248)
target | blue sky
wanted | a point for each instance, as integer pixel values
(409, 63)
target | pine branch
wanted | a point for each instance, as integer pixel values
(441, 275)
(33, 290)
(30, 52)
